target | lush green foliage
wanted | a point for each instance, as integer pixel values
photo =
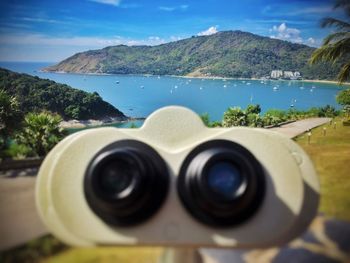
(10, 114)
(343, 97)
(226, 54)
(336, 45)
(10, 119)
(35, 95)
(41, 132)
(235, 116)
(34, 251)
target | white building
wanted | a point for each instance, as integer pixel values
(288, 74)
(276, 74)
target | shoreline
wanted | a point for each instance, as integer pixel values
(81, 124)
(333, 82)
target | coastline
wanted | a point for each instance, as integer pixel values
(196, 76)
(81, 124)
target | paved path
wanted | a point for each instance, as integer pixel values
(296, 128)
(19, 221)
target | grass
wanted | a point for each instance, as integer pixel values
(107, 255)
(331, 157)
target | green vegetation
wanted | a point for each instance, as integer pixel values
(335, 47)
(34, 94)
(343, 98)
(225, 54)
(331, 157)
(10, 117)
(251, 116)
(108, 254)
(33, 251)
(41, 133)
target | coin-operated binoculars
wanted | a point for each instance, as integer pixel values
(174, 182)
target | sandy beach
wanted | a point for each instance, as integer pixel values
(81, 124)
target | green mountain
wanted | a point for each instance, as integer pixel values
(224, 54)
(35, 94)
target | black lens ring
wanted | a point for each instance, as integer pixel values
(147, 192)
(207, 207)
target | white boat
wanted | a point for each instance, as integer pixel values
(275, 88)
(142, 87)
(117, 82)
(225, 86)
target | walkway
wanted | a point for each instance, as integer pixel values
(296, 128)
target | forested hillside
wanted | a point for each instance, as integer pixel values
(35, 94)
(224, 54)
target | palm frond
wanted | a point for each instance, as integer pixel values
(345, 4)
(331, 52)
(336, 37)
(344, 73)
(330, 21)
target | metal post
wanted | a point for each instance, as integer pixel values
(180, 255)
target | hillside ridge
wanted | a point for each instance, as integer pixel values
(234, 54)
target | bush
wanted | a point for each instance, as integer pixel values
(41, 133)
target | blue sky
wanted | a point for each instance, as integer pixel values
(34, 30)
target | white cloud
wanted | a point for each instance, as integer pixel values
(107, 2)
(86, 42)
(173, 8)
(210, 31)
(284, 32)
(311, 41)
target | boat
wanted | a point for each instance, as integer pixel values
(117, 82)
(275, 88)
(225, 86)
(142, 87)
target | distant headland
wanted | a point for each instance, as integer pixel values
(228, 54)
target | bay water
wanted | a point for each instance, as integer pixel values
(140, 95)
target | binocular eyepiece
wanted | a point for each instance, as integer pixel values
(175, 182)
(220, 183)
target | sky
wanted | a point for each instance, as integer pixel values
(51, 30)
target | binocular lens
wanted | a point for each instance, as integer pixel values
(224, 179)
(116, 176)
(221, 183)
(126, 183)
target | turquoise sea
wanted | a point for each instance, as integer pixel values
(138, 95)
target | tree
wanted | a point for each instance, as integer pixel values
(234, 117)
(343, 97)
(251, 108)
(10, 119)
(41, 132)
(10, 114)
(336, 46)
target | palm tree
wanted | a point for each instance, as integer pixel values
(41, 132)
(337, 45)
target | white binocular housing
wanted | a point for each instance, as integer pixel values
(175, 182)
